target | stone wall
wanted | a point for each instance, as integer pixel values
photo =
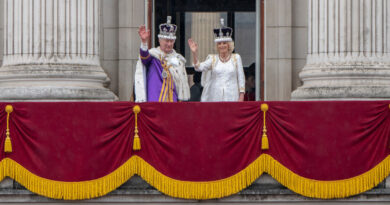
(299, 40)
(120, 42)
(285, 46)
(129, 43)
(1, 31)
(109, 41)
(278, 49)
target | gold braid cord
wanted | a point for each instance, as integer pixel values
(137, 141)
(7, 144)
(264, 138)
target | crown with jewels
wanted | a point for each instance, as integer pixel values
(223, 34)
(168, 30)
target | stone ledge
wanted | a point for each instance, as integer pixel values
(136, 190)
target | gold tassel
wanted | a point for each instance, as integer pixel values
(264, 138)
(137, 140)
(136, 143)
(264, 142)
(7, 143)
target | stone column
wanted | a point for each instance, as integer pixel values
(51, 51)
(348, 51)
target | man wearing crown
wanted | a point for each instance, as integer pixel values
(160, 72)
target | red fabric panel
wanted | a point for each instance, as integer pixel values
(200, 141)
(317, 140)
(71, 141)
(329, 140)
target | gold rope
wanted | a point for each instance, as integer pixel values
(166, 94)
(162, 91)
(264, 138)
(163, 83)
(170, 89)
(165, 90)
(137, 141)
(7, 143)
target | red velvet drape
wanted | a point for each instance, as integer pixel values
(80, 141)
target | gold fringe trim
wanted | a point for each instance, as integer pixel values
(66, 190)
(327, 189)
(195, 190)
(199, 190)
(265, 163)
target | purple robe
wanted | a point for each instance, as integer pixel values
(154, 77)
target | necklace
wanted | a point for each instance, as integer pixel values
(224, 60)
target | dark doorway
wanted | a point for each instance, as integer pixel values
(179, 8)
(238, 14)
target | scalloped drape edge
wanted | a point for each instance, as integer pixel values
(195, 190)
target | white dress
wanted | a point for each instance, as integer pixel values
(222, 81)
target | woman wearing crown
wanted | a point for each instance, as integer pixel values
(223, 75)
